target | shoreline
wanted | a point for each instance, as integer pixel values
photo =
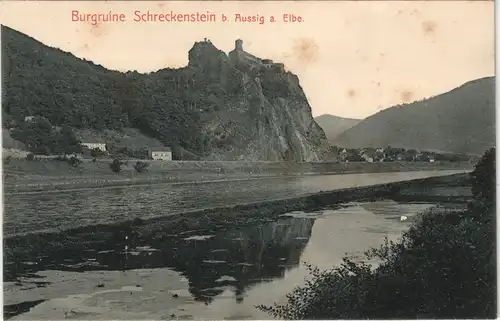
(65, 242)
(65, 183)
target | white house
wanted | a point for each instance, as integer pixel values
(160, 153)
(101, 146)
(29, 118)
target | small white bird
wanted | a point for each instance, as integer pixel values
(403, 218)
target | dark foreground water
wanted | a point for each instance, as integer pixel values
(188, 276)
(36, 212)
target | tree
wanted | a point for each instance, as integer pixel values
(74, 161)
(96, 152)
(483, 180)
(40, 137)
(68, 142)
(483, 177)
(37, 135)
(141, 167)
(116, 165)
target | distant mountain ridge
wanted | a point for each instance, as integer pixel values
(220, 106)
(334, 125)
(461, 121)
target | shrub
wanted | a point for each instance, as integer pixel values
(41, 138)
(141, 167)
(433, 272)
(484, 179)
(96, 152)
(74, 161)
(116, 165)
(8, 159)
(30, 156)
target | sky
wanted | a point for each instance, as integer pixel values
(353, 58)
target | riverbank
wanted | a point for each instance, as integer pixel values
(443, 267)
(68, 242)
(22, 176)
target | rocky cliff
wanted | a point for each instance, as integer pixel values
(266, 116)
(219, 106)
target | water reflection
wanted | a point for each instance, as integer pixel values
(55, 211)
(231, 270)
(235, 258)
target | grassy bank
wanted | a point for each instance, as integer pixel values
(69, 242)
(44, 174)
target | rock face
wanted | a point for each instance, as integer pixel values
(268, 117)
(227, 107)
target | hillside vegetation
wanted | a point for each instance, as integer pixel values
(460, 121)
(43, 81)
(234, 108)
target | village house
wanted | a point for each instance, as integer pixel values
(379, 155)
(367, 155)
(29, 118)
(343, 155)
(94, 145)
(160, 153)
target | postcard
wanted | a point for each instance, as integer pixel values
(185, 160)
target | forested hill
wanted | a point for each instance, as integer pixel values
(215, 107)
(461, 120)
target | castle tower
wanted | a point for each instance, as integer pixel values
(238, 45)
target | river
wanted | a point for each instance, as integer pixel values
(189, 276)
(223, 275)
(38, 212)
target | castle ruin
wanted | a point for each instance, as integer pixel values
(238, 45)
